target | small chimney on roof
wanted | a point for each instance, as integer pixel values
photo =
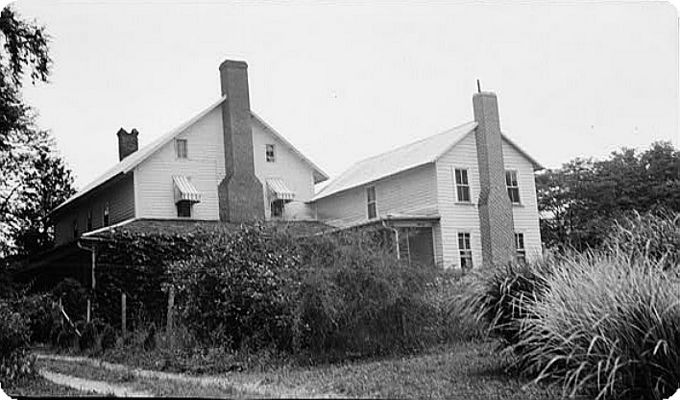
(127, 143)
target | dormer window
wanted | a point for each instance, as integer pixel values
(269, 153)
(181, 148)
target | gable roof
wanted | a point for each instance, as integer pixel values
(133, 160)
(403, 158)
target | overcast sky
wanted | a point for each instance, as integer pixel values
(344, 81)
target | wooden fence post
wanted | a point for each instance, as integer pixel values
(123, 316)
(169, 327)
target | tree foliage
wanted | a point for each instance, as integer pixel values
(581, 201)
(33, 178)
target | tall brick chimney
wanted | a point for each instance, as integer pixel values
(240, 193)
(127, 143)
(495, 208)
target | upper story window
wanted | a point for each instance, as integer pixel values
(513, 186)
(465, 250)
(89, 220)
(462, 185)
(519, 246)
(371, 202)
(75, 228)
(106, 214)
(181, 148)
(269, 153)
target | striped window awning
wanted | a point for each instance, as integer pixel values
(278, 190)
(185, 191)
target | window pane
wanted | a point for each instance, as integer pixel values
(513, 193)
(370, 193)
(184, 209)
(371, 211)
(464, 176)
(458, 177)
(464, 193)
(270, 155)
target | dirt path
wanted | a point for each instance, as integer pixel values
(154, 379)
(88, 385)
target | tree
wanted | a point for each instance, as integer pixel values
(580, 201)
(33, 179)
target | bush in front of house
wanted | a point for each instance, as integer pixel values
(15, 360)
(237, 290)
(358, 299)
(605, 327)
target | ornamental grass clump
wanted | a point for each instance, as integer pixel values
(604, 327)
(652, 238)
(497, 297)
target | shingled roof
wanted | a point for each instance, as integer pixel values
(403, 158)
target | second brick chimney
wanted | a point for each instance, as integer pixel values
(495, 209)
(240, 193)
(127, 143)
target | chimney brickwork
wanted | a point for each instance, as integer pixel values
(241, 192)
(495, 209)
(127, 143)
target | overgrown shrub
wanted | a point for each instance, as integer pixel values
(73, 298)
(40, 313)
(607, 327)
(358, 299)
(15, 360)
(238, 289)
(652, 237)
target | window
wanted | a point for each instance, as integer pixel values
(75, 228)
(465, 250)
(512, 185)
(277, 208)
(89, 220)
(106, 214)
(462, 185)
(519, 246)
(184, 209)
(181, 148)
(371, 202)
(271, 157)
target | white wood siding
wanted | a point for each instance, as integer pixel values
(459, 217)
(409, 192)
(296, 174)
(204, 166)
(525, 216)
(464, 217)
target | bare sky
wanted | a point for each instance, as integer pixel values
(343, 81)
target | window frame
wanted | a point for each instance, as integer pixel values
(185, 143)
(461, 185)
(184, 203)
(520, 251)
(465, 251)
(512, 188)
(267, 157)
(370, 202)
(274, 205)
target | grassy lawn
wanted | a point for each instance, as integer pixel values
(38, 386)
(466, 370)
